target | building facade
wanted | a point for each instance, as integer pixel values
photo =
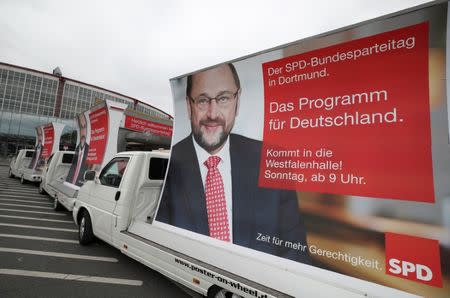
(29, 98)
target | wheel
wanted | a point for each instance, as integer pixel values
(217, 292)
(85, 234)
(10, 174)
(57, 205)
(41, 189)
(22, 181)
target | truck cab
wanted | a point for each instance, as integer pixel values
(130, 184)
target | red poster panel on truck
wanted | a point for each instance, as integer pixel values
(49, 139)
(99, 135)
(143, 125)
(366, 133)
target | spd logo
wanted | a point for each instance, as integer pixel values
(413, 258)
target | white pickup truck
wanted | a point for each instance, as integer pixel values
(53, 177)
(31, 175)
(118, 206)
(19, 164)
(304, 118)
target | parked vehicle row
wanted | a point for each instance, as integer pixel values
(118, 205)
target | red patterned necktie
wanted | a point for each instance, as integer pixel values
(216, 205)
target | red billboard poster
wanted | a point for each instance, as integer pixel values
(360, 133)
(49, 139)
(98, 128)
(143, 125)
(99, 135)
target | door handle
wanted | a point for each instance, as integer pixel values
(117, 196)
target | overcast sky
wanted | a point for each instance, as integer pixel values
(135, 47)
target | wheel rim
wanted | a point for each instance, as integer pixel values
(82, 226)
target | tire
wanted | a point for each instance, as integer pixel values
(218, 292)
(85, 234)
(22, 181)
(41, 190)
(10, 174)
(57, 205)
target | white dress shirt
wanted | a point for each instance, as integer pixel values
(225, 171)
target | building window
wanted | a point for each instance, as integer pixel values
(48, 97)
(31, 94)
(69, 101)
(13, 92)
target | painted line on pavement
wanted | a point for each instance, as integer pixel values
(38, 227)
(57, 254)
(22, 189)
(72, 277)
(28, 206)
(37, 212)
(18, 187)
(26, 201)
(36, 218)
(38, 238)
(32, 196)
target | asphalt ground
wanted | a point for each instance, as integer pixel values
(40, 255)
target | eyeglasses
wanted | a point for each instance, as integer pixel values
(223, 100)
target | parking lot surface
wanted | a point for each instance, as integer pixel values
(40, 255)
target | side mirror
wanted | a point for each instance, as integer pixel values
(89, 175)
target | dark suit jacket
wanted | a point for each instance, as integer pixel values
(83, 167)
(256, 210)
(35, 158)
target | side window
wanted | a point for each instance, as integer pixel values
(158, 167)
(67, 158)
(29, 153)
(113, 172)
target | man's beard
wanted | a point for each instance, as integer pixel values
(208, 145)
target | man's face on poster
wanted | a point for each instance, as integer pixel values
(83, 128)
(212, 107)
